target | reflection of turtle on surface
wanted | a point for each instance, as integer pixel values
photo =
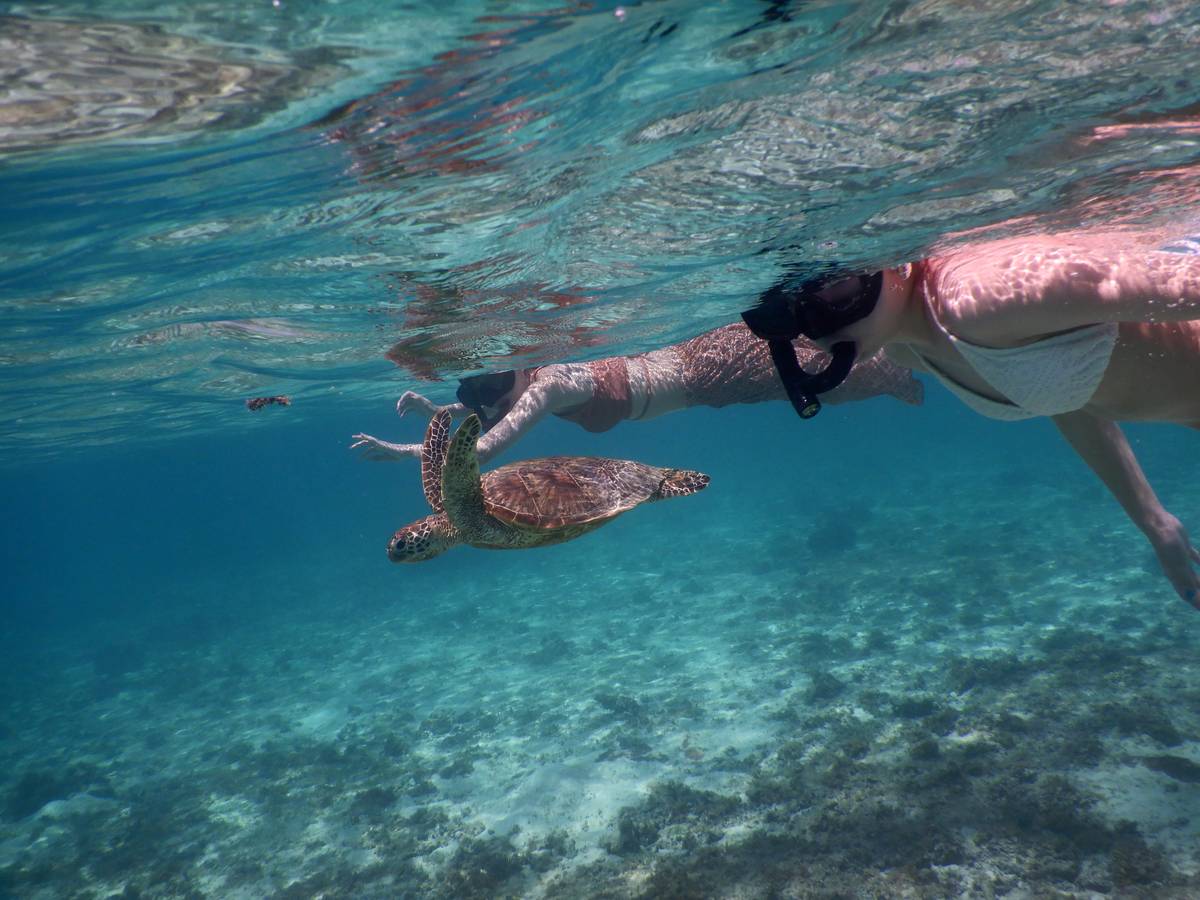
(524, 504)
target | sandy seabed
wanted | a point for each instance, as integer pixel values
(873, 702)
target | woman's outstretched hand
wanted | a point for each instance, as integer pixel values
(411, 400)
(1178, 558)
(374, 448)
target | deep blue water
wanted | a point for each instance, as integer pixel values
(889, 649)
(112, 533)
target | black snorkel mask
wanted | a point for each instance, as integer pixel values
(815, 308)
(477, 391)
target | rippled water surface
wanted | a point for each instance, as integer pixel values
(210, 201)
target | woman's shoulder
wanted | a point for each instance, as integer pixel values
(565, 382)
(1011, 291)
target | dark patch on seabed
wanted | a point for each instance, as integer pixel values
(939, 742)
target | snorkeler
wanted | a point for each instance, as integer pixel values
(1086, 328)
(720, 367)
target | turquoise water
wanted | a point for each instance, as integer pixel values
(892, 652)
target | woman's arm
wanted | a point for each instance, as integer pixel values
(1010, 291)
(523, 416)
(1102, 445)
(558, 388)
(879, 376)
(531, 407)
(375, 449)
(411, 400)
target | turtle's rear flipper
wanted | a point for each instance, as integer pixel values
(433, 457)
(680, 483)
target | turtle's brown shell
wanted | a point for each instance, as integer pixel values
(563, 491)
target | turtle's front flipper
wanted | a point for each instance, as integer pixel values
(680, 483)
(462, 492)
(433, 457)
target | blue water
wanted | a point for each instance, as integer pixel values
(890, 650)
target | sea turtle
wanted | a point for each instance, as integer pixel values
(524, 504)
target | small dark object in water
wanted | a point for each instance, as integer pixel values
(256, 403)
(1178, 767)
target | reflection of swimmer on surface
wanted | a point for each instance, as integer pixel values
(717, 368)
(1182, 122)
(1087, 328)
(266, 329)
(441, 328)
(404, 130)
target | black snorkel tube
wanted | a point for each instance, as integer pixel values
(815, 308)
(802, 387)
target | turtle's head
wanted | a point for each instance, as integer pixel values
(422, 540)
